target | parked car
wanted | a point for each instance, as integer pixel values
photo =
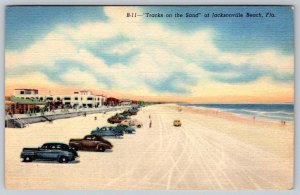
(177, 123)
(133, 111)
(122, 117)
(126, 113)
(125, 128)
(107, 131)
(130, 112)
(114, 119)
(50, 152)
(90, 142)
(132, 122)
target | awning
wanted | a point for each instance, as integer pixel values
(27, 101)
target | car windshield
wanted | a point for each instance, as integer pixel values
(44, 146)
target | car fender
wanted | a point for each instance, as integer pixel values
(77, 145)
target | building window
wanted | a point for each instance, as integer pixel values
(21, 92)
(67, 98)
(58, 98)
(89, 98)
(76, 98)
(49, 98)
(41, 98)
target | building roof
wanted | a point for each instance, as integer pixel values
(27, 101)
(125, 100)
(27, 89)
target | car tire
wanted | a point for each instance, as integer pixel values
(63, 159)
(139, 126)
(101, 149)
(27, 159)
(75, 148)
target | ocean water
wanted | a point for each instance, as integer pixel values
(277, 112)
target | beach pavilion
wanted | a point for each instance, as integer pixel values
(15, 105)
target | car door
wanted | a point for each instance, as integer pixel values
(55, 151)
(89, 143)
(46, 153)
(42, 153)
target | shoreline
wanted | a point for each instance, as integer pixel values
(215, 112)
(237, 123)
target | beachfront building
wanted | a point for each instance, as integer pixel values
(79, 99)
(125, 102)
(111, 101)
(16, 105)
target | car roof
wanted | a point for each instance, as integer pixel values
(54, 143)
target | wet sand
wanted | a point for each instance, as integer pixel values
(210, 151)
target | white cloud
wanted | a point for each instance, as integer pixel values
(160, 53)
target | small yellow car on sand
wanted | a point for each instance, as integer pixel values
(177, 123)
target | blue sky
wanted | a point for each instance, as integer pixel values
(186, 54)
(26, 24)
(239, 34)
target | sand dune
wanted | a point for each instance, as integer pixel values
(208, 152)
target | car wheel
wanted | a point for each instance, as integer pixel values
(75, 148)
(63, 159)
(102, 149)
(27, 159)
(139, 126)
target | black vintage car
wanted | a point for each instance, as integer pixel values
(50, 152)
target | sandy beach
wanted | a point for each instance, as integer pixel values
(209, 151)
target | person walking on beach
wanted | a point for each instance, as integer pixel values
(150, 124)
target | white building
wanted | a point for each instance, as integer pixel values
(83, 98)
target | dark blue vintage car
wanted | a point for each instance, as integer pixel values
(107, 131)
(50, 152)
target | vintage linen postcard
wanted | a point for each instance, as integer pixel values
(149, 97)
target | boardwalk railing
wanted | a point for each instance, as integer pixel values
(22, 120)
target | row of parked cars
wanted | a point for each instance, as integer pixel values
(64, 153)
